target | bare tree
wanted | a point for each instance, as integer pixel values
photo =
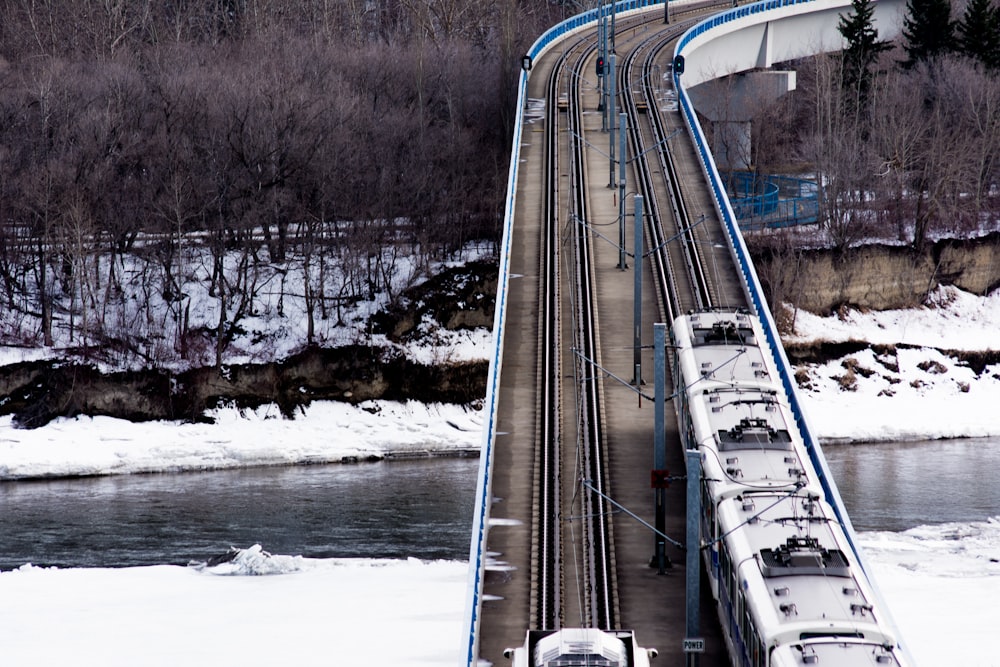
(833, 147)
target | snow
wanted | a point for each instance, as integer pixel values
(892, 391)
(940, 581)
(950, 319)
(324, 432)
(297, 611)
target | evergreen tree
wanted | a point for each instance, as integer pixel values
(928, 30)
(863, 49)
(979, 33)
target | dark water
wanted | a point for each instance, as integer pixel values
(395, 509)
(896, 486)
(400, 509)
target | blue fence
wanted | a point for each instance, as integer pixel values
(763, 202)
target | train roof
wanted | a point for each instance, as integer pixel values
(584, 646)
(580, 647)
(840, 652)
(717, 328)
(794, 566)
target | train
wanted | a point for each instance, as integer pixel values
(572, 647)
(788, 584)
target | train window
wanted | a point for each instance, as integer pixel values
(587, 660)
(818, 635)
(756, 648)
(708, 507)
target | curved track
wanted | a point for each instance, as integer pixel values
(586, 444)
(589, 592)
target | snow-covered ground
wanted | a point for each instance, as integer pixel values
(916, 393)
(939, 580)
(324, 432)
(303, 612)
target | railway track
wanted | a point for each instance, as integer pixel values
(566, 557)
(679, 274)
(573, 553)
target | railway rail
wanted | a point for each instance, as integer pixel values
(575, 569)
(587, 595)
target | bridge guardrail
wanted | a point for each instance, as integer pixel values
(752, 283)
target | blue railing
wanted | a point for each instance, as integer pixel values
(765, 202)
(469, 648)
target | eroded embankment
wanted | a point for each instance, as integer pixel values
(875, 277)
(38, 392)
(459, 298)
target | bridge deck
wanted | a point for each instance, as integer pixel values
(651, 604)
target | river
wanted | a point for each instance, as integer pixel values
(419, 508)
(900, 485)
(398, 509)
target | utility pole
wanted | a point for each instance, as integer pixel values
(637, 293)
(622, 122)
(659, 475)
(612, 106)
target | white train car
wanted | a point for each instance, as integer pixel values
(580, 647)
(789, 588)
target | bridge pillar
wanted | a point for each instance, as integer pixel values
(730, 103)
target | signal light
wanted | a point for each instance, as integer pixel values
(659, 479)
(600, 65)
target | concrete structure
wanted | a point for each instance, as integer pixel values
(762, 34)
(730, 103)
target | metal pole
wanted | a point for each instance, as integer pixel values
(602, 50)
(666, 11)
(637, 293)
(615, 13)
(693, 562)
(659, 440)
(622, 261)
(612, 106)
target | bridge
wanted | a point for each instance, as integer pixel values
(617, 218)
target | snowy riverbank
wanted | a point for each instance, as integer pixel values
(916, 392)
(938, 579)
(325, 432)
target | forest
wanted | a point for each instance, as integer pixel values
(145, 145)
(264, 153)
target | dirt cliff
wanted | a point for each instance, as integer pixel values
(877, 277)
(37, 392)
